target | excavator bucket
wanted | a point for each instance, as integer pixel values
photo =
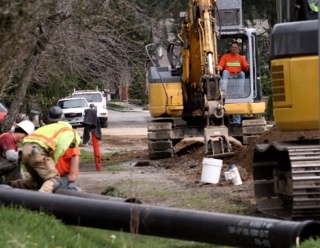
(216, 142)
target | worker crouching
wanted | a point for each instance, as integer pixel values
(10, 168)
(40, 152)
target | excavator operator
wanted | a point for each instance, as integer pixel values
(233, 66)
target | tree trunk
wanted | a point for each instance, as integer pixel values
(50, 24)
(20, 93)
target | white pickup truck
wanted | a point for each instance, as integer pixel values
(73, 110)
(99, 99)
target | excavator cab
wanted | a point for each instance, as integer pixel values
(239, 86)
(243, 96)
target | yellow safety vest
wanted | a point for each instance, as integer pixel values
(55, 138)
(313, 7)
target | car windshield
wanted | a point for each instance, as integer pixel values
(73, 103)
(91, 97)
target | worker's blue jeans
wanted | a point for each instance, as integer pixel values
(64, 184)
(240, 83)
(239, 89)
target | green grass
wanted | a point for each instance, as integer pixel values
(142, 189)
(311, 243)
(115, 106)
(88, 157)
(23, 228)
(112, 191)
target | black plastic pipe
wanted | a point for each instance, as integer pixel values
(200, 226)
(62, 191)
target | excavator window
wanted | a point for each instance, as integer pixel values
(235, 88)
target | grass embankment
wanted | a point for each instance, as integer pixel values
(23, 228)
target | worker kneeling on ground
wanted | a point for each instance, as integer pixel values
(10, 168)
(68, 164)
(40, 152)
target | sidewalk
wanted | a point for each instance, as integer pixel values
(127, 107)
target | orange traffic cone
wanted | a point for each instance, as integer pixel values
(96, 151)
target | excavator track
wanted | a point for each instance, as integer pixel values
(287, 179)
(160, 140)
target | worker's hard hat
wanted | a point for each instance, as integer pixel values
(55, 114)
(26, 126)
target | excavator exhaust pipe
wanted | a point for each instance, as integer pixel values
(200, 226)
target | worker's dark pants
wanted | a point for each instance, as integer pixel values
(86, 133)
(10, 170)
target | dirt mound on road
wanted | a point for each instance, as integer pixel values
(244, 154)
(190, 152)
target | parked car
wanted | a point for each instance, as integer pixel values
(73, 110)
(99, 99)
(3, 112)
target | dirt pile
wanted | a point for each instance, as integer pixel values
(244, 155)
(191, 153)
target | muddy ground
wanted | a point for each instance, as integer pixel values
(174, 182)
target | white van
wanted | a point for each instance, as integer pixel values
(99, 99)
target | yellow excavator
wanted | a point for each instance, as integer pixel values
(185, 97)
(287, 174)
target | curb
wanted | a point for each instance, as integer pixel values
(124, 110)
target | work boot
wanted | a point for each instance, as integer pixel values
(72, 187)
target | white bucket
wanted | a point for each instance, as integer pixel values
(211, 169)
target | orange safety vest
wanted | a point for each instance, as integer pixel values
(234, 63)
(64, 162)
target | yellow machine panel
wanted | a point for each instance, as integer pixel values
(296, 93)
(165, 102)
(246, 108)
(286, 169)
